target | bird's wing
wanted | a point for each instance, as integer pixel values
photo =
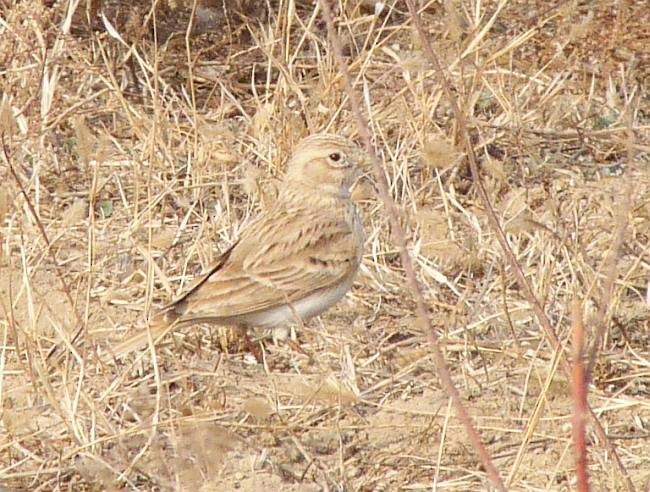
(280, 259)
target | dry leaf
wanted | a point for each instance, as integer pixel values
(259, 408)
(496, 170)
(453, 20)
(513, 203)
(330, 390)
(262, 121)
(163, 239)
(85, 140)
(438, 153)
(75, 213)
(218, 142)
(115, 296)
(251, 180)
(434, 235)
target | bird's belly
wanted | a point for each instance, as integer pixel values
(303, 309)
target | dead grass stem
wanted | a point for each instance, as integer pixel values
(141, 136)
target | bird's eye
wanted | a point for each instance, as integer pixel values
(335, 156)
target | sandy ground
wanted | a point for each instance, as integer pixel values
(141, 168)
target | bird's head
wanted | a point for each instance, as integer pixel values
(325, 163)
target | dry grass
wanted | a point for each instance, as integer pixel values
(142, 159)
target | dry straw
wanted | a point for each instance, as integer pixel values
(139, 141)
(400, 237)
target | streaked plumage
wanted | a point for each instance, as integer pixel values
(290, 264)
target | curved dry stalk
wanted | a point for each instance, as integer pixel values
(407, 263)
(523, 283)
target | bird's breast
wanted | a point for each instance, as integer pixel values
(301, 310)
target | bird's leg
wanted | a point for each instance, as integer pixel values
(293, 343)
(252, 347)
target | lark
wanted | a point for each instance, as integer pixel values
(290, 264)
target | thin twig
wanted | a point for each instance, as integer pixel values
(579, 396)
(46, 239)
(610, 263)
(523, 283)
(399, 236)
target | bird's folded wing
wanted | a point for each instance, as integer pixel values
(283, 269)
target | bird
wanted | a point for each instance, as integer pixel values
(291, 263)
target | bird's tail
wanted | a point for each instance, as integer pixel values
(159, 326)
